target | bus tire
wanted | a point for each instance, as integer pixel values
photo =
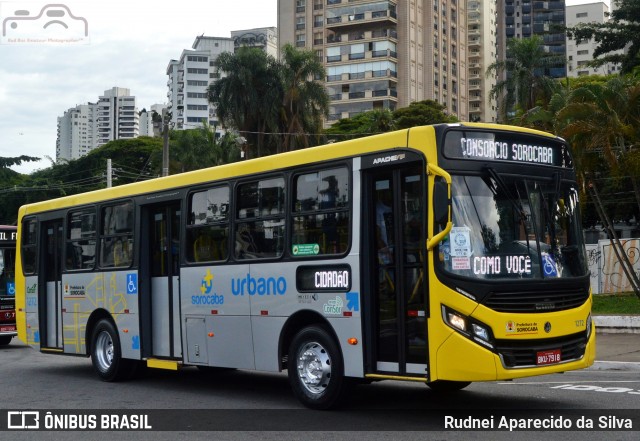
(5, 340)
(443, 386)
(316, 369)
(106, 355)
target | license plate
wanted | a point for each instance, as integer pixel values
(548, 357)
(7, 328)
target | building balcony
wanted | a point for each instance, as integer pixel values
(472, 42)
(391, 94)
(541, 27)
(356, 20)
(357, 35)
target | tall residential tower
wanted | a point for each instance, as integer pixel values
(383, 54)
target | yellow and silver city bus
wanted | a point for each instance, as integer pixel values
(444, 254)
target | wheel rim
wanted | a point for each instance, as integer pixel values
(314, 367)
(104, 351)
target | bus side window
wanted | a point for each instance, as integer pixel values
(117, 235)
(208, 225)
(29, 229)
(81, 240)
(321, 212)
(260, 231)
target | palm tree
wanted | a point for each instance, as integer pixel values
(380, 121)
(605, 118)
(247, 97)
(305, 101)
(522, 70)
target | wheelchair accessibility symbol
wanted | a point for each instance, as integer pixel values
(549, 266)
(11, 288)
(132, 283)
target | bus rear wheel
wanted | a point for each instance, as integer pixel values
(106, 354)
(448, 386)
(316, 369)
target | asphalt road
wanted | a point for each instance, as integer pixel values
(240, 405)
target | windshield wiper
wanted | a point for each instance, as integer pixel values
(505, 190)
(547, 214)
(515, 202)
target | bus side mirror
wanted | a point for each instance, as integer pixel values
(441, 202)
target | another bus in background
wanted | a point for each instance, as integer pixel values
(7, 284)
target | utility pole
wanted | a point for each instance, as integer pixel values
(109, 173)
(165, 143)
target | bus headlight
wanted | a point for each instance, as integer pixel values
(457, 321)
(454, 319)
(480, 332)
(589, 327)
(470, 328)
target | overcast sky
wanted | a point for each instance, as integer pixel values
(130, 45)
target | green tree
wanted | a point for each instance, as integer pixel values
(523, 80)
(305, 101)
(604, 119)
(421, 113)
(362, 124)
(249, 97)
(620, 34)
(17, 160)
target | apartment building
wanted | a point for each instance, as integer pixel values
(87, 126)
(383, 54)
(117, 116)
(525, 18)
(189, 78)
(190, 75)
(262, 38)
(76, 132)
(580, 53)
(482, 34)
(151, 125)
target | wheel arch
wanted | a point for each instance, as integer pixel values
(94, 319)
(293, 325)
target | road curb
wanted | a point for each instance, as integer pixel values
(617, 324)
(622, 366)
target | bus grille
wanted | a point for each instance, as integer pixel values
(536, 301)
(518, 354)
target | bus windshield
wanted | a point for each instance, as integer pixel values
(507, 227)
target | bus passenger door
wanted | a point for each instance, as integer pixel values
(161, 303)
(396, 317)
(50, 299)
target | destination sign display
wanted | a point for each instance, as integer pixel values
(7, 235)
(334, 278)
(519, 148)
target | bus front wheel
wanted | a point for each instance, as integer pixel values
(316, 369)
(5, 340)
(106, 355)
